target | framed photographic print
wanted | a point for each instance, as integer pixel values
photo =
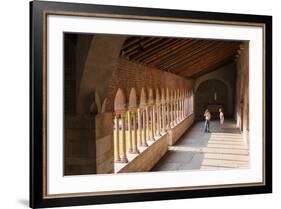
(139, 104)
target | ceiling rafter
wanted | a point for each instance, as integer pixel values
(187, 57)
(184, 55)
(205, 55)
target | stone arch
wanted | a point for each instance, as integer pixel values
(120, 101)
(133, 99)
(167, 95)
(228, 85)
(150, 97)
(143, 98)
(163, 95)
(206, 88)
(158, 99)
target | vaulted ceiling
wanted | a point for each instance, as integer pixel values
(183, 56)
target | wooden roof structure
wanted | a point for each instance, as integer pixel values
(186, 57)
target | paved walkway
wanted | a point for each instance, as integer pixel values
(223, 148)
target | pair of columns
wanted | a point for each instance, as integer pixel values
(120, 142)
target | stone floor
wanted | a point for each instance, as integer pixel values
(223, 148)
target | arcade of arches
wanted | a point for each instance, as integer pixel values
(135, 104)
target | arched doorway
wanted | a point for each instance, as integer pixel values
(211, 94)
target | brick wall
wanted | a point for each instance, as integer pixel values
(129, 74)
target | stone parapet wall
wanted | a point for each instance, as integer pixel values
(104, 144)
(147, 159)
(79, 150)
(176, 132)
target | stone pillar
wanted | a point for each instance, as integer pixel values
(168, 116)
(117, 146)
(154, 121)
(174, 113)
(158, 120)
(151, 122)
(144, 143)
(171, 114)
(130, 150)
(182, 108)
(147, 122)
(135, 143)
(177, 111)
(163, 119)
(185, 108)
(123, 147)
(140, 127)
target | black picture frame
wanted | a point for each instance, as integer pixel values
(37, 11)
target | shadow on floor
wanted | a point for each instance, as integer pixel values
(223, 148)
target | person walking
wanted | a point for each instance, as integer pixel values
(207, 116)
(221, 117)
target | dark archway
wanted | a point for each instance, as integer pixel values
(211, 94)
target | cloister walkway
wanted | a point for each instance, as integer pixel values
(223, 148)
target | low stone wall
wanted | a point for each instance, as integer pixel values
(104, 143)
(79, 145)
(176, 132)
(147, 159)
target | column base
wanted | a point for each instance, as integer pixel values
(124, 160)
(117, 160)
(144, 145)
(135, 151)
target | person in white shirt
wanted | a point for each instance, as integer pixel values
(221, 117)
(207, 116)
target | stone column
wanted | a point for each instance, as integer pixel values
(168, 116)
(117, 146)
(154, 121)
(163, 118)
(159, 120)
(135, 143)
(181, 108)
(140, 127)
(147, 123)
(144, 143)
(151, 122)
(185, 107)
(171, 114)
(123, 147)
(130, 150)
(175, 111)
(191, 102)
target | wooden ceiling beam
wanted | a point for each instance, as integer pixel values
(206, 69)
(215, 53)
(206, 53)
(197, 67)
(168, 51)
(183, 55)
(130, 41)
(170, 57)
(155, 48)
(138, 48)
(213, 67)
